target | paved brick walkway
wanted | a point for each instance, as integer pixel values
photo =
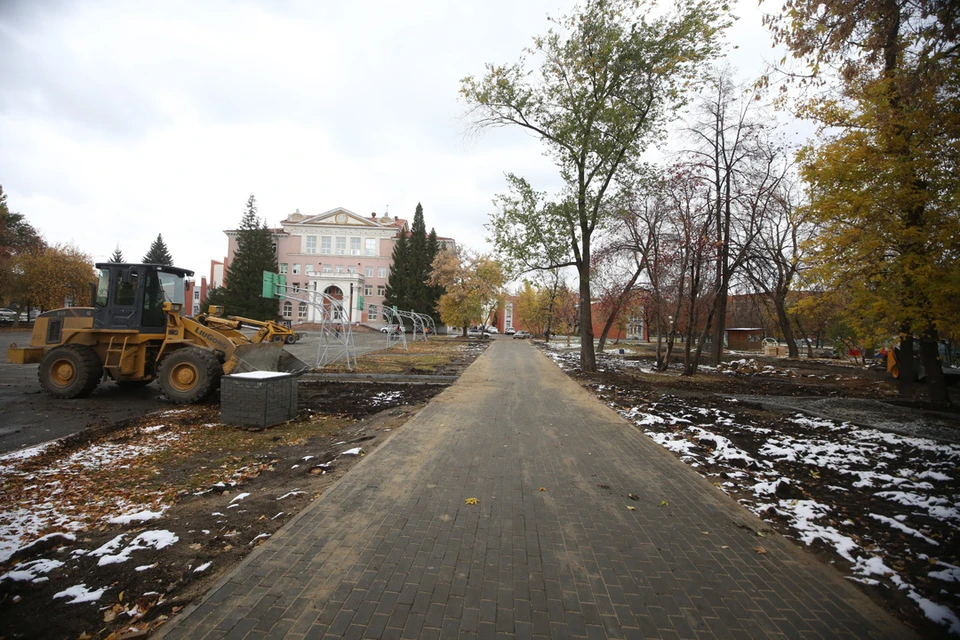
(393, 551)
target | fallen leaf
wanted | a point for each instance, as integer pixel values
(109, 615)
(664, 503)
(631, 508)
(725, 546)
(195, 546)
(759, 549)
(706, 533)
(542, 489)
(120, 597)
(472, 501)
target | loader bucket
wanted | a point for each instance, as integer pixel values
(264, 356)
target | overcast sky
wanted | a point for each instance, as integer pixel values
(122, 119)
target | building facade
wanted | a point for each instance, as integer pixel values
(340, 253)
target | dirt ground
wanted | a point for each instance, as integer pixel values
(883, 508)
(222, 491)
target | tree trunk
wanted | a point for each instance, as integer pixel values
(588, 356)
(905, 368)
(933, 369)
(716, 349)
(784, 321)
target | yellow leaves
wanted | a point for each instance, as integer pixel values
(760, 550)
(472, 501)
(664, 503)
(542, 489)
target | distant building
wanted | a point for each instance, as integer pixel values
(194, 296)
(218, 273)
(338, 252)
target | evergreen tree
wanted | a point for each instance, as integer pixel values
(397, 292)
(413, 255)
(244, 282)
(116, 256)
(158, 253)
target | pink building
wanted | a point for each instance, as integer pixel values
(338, 252)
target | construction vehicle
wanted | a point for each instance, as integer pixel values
(135, 333)
(267, 330)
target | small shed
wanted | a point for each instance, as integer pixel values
(745, 339)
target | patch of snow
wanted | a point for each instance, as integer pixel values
(203, 567)
(30, 571)
(154, 428)
(158, 539)
(139, 516)
(239, 496)
(80, 593)
(291, 493)
(950, 574)
(896, 524)
(356, 451)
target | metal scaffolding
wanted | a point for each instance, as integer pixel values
(336, 332)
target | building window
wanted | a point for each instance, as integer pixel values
(325, 244)
(382, 272)
(371, 248)
(372, 314)
(354, 246)
(196, 295)
(368, 289)
(308, 269)
(341, 246)
(351, 269)
(296, 269)
(283, 267)
(328, 268)
(339, 268)
(381, 290)
(296, 287)
(288, 310)
(311, 244)
(369, 272)
(302, 311)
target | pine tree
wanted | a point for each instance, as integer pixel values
(244, 282)
(413, 255)
(158, 253)
(116, 256)
(397, 292)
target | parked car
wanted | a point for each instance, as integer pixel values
(509, 331)
(521, 334)
(491, 330)
(475, 333)
(7, 315)
(390, 328)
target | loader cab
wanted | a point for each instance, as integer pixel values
(131, 296)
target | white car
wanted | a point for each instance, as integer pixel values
(475, 333)
(7, 315)
(491, 330)
(390, 328)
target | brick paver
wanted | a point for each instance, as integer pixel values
(393, 551)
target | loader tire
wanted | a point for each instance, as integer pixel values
(70, 371)
(291, 339)
(189, 375)
(277, 339)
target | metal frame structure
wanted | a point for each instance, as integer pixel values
(336, 331)
(392, 318)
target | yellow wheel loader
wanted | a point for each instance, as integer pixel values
(136, 333)
(267, 330)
